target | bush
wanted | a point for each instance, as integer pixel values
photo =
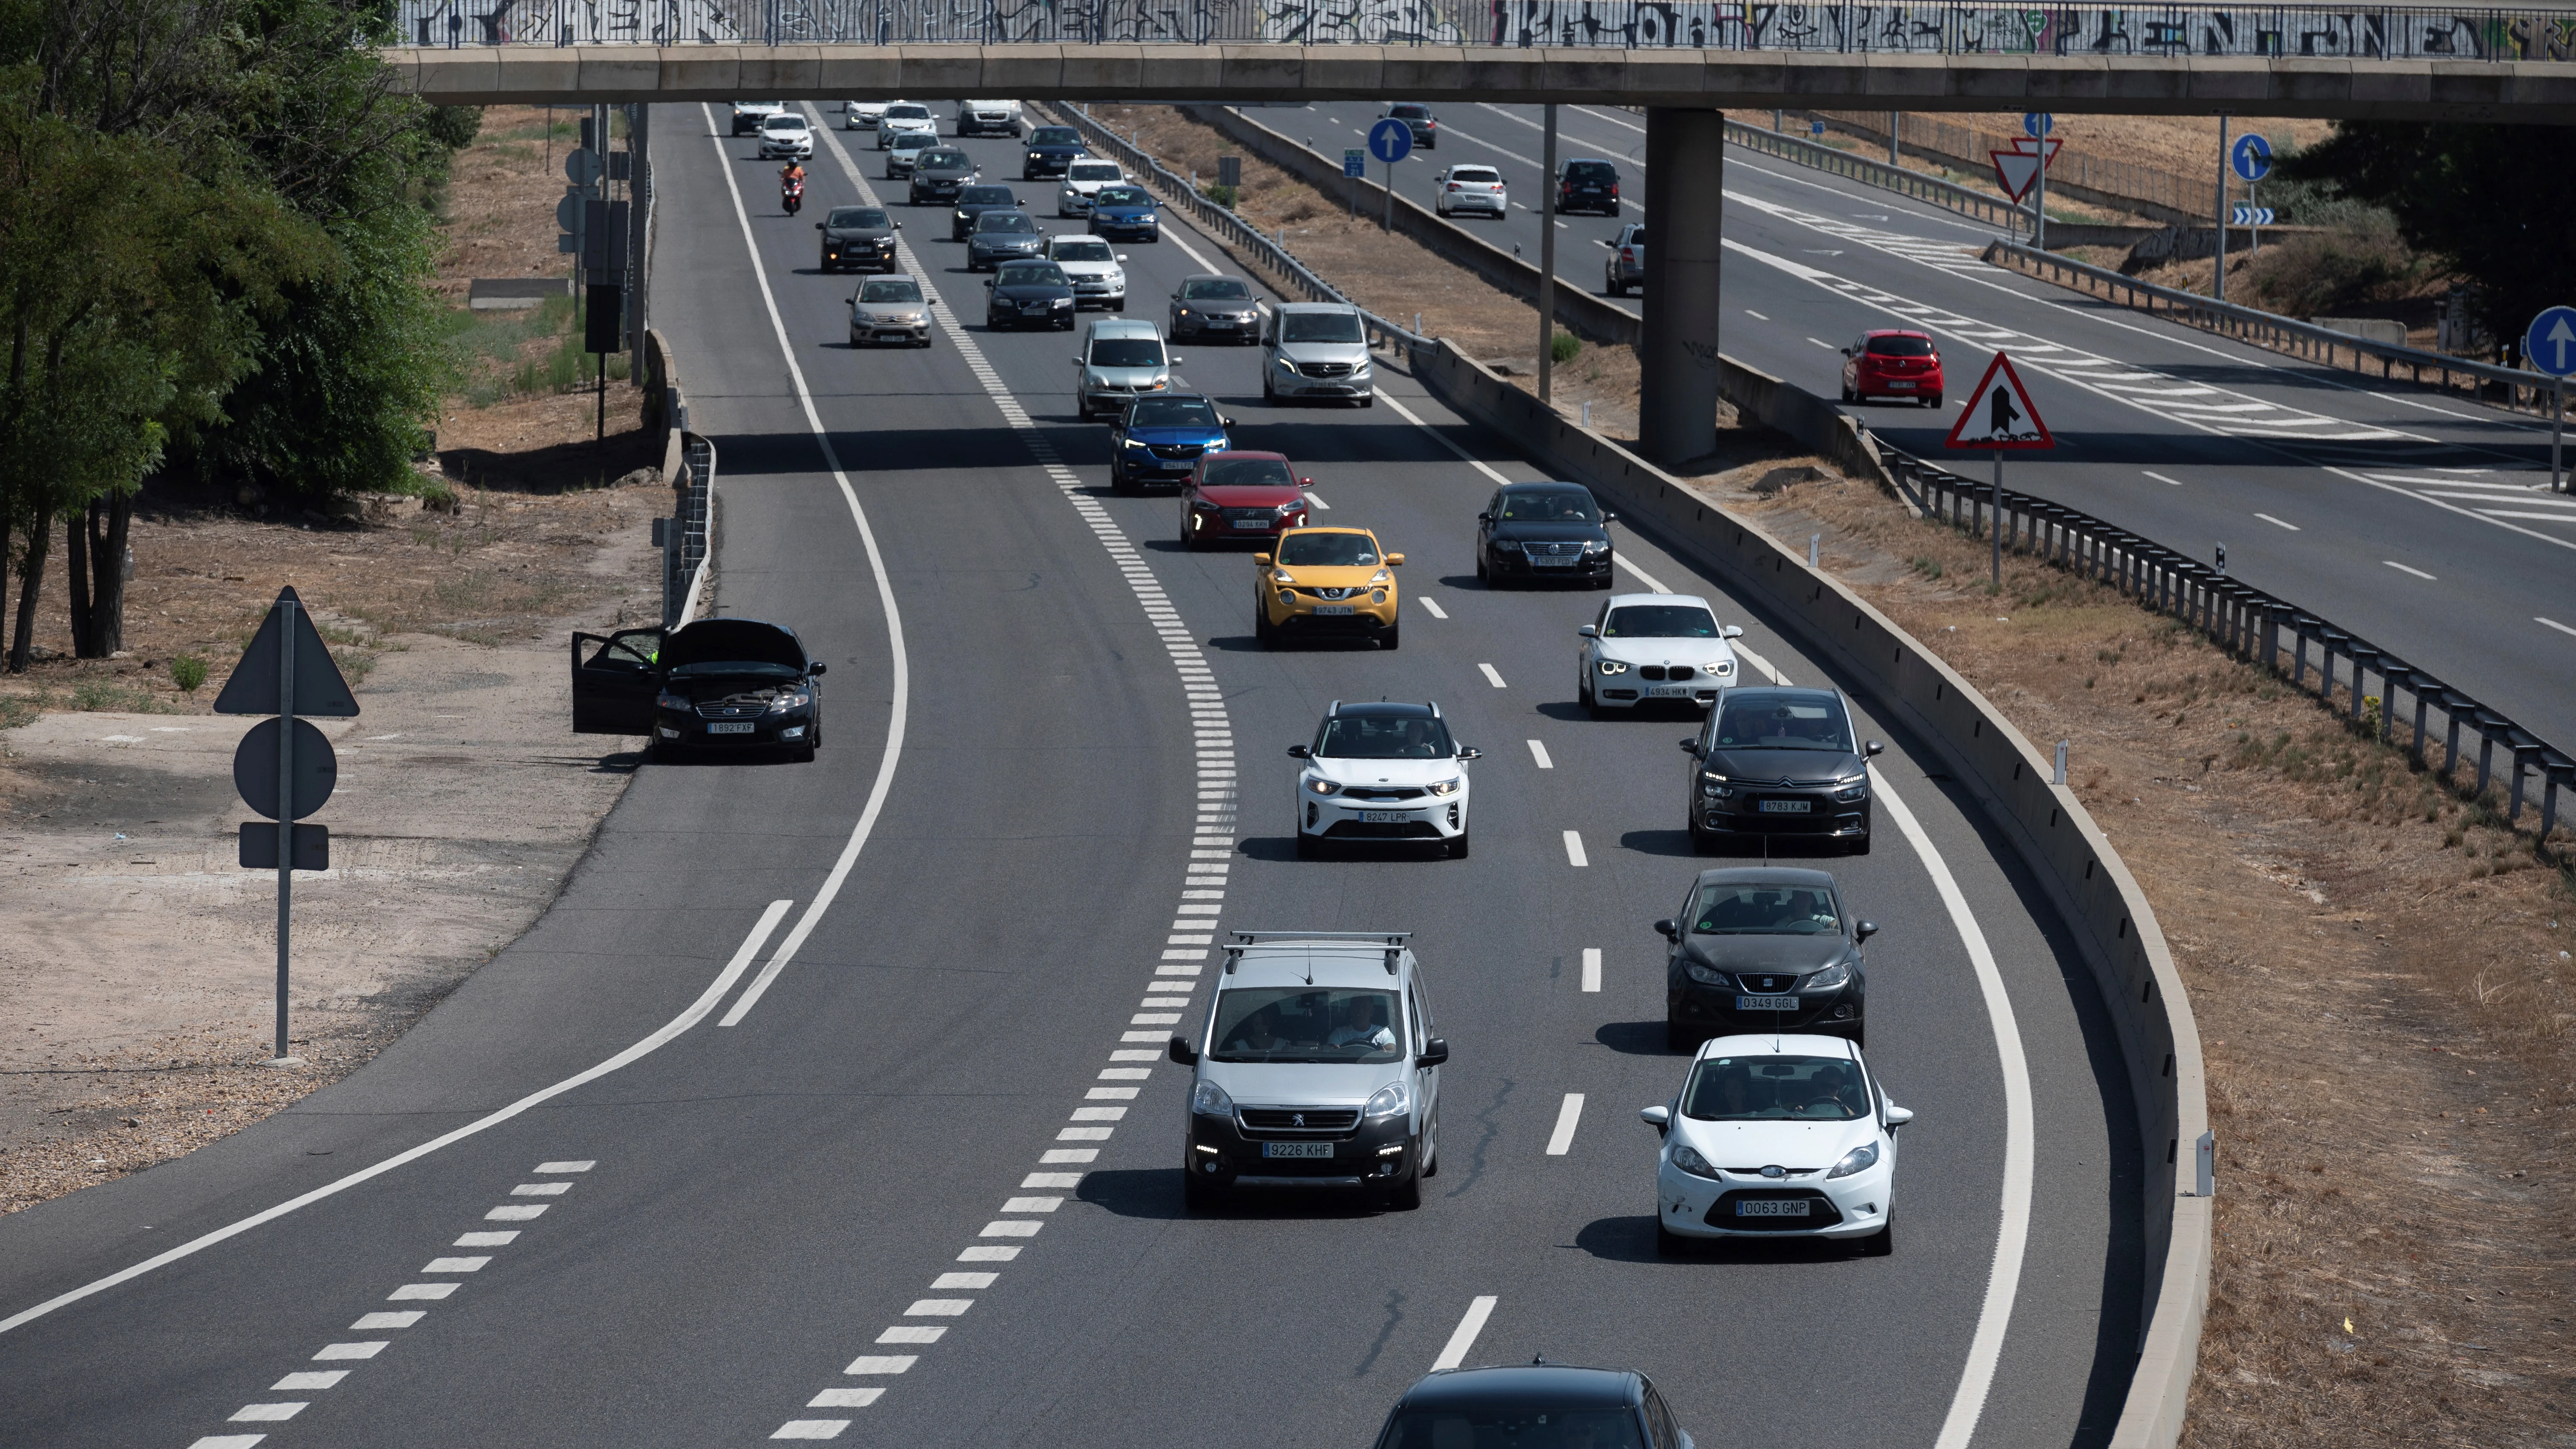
(1563, 346)
(1221, 195)
(2326, 274)
(188, 671)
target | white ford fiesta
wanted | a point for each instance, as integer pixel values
(1777, 1137)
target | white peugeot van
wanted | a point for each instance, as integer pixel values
(1316, 349)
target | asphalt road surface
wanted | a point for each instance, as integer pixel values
(886, 1148)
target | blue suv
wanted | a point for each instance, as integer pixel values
(1159, 439)
(1125, 211)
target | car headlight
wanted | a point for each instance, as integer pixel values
(1613, 666)
(1832, 978)
(1389, 1100)
(1183, 312)
(1597, 545)
(1381, 577)
(1062, 302)
(797, 700)
(1443, 787)
(1283, 364)
(1688, 1159)
(1713, 783)
(1850, 794)
(1721, 668)
(1208, 1099)
(1705, 976)
(671, 701)
(1131, 443)
(1034, 156)
(1859, 1159)
(1323, 786)
(1287, 508)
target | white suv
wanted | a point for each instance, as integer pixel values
(786, 134)
(978, 118)
(1645, 647)
(1382, 772)
(1121, 360)
(1098, 279)
(904, 118)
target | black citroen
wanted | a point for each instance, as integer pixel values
(717, 684)
(1772, 760)
(1543, 533)
(1761, 949)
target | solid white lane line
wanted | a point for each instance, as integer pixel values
(1406, 413)
(2161, 478)
(1574, 848)
(1653, 584)
(2277, 523)
(1433, 605)
(2552, 623)
(695, 1013)
(2403, 569)
(1538, 752)
(1591, 968)
(1493, 676)
(1465, 1338)
(1562, 1140)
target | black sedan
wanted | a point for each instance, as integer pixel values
(1051, 150)
(1543, 533)
(1759, 950)
(717, 685)
(858, 236)
(940, 173)
(1029, 293)
(1537, 1405)
(973, 202)
(1001, 235)
(1779, 761)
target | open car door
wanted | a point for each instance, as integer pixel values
(615, 678)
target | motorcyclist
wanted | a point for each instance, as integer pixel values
(791, 175)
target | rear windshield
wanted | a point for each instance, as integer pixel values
(1127, 352)
(1093, 171)
(1591, 171)
(713, 645)
(1215, 289)
(1762, 720)
(1764, 910)
(978, 195)
(1775, 1089)
(1554, 505)
(1660, 621)
(1030, 274)
(1327, 551)
(901, 289)
(1900, 347)
(1124, 196)
(993, 221)
(1054, 136)
(918, 141)
(1319, 327)
(1384, 737)
(1474, 173)
(1081, 249)
(859, 216)
(1306, 1024)
(1171, 412)
(1248, 473)
(1410, 113)
(1517, 1428)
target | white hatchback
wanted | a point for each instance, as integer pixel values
(861, 115)
(786, 134)
(1777, 1137)
(1471, 188)
(1382, 773)
(1082, 182)
(1644, 647)
(904, 118)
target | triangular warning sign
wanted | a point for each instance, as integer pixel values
(2017, 169)
(1999, 413)
(253, 687)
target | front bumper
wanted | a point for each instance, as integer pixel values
(1104, 398)
(857, 121)
(923, 193)
(1825, 817)
(1208, 528)
(780, 150)
(1838, 1012)
(987, 125)
(689, 731)
(1098, 294)
(904, 334)
(1055, 312)
(1125, 226)
(859, 254)
(885, 135)
(1357, 383)
(1044, 167)
(1841, 1207)
(1515, 563)
(1421, 817)
(1222, 1151)
(1218, 324)
(1368, 617)
(979, 257)
(1144, 465)
(1629, 690)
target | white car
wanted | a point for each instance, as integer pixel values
(1470, 188)
(1082, 182)
(904, 118)
(861, 115)
(748, 115)
(978, 118)
(1777, 1137)
(1653, 646)
(1382, 772)
(1098, 279)
(786, 134)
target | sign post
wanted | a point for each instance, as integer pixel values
(2001, 417)
(2037, 125)
(284, 767)
(2252, 158)
(2218, 211)
(1390, 141)
(1354, 166)
(2549, 344)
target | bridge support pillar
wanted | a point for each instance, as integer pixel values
(1677, 353)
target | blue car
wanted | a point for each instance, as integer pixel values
(1125, 211)
(1159, 440)
(1051, 150)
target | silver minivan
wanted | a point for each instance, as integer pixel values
(1316, 349)
(1317, 1064)
(1121, 360)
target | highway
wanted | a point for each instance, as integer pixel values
(887, 1149)
(2419, 521)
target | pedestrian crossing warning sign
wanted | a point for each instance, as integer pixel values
(1999, 413)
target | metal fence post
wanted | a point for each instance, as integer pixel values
(2415, 749)
(2522, 757)
(2486, 755)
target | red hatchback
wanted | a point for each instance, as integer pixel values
(1242, 495)
(1890, 362)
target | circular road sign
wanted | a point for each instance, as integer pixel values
(255, 768)
(1390, 140)
(2037, 123)
(2550, 342)
(2252, 156)
(568, 211)
(582, 166)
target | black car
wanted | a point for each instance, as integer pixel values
(1763, 949)
(940, 173)
(1003, 235)
(1778, 761)
(974, 201)
(858, 236)
(1543, 532)
(1417, 119)
(1588, 184)
(1027, 293)
(1538, 1405)
(717, 684)
(1051, 150)
(1211, 305)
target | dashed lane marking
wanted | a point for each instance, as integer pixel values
(1561, 1141)
(1493, 676)
(1592, 968)
(1538, 753)
(1455, 1353)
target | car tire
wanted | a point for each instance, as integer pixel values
(1458, 846)
(1264, 632)
(1857, 847)
(1198, 1194)
(1702, 842)
(804, 754)
(1431, 1146)
(1309, 847)
(1603, 582)
(1668, 1244)
(1932, 399)
(1880, 1244)
(1405, 1196)
(1118, 306)
(1370, 401)
(1850, 396)
(1484, 575)
(1391, 638)
(1678, 1037)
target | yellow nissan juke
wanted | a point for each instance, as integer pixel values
(1325, 581)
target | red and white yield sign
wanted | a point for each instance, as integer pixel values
(1999, 414)
(2017, 170)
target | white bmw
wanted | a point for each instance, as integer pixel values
(1645, 647)
(1082, 181)
(1382, 773)
(1777, 1137)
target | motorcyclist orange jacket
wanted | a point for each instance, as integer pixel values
(790, 174)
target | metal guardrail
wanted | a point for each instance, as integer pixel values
(2509, 387)
(1949, 196)
(689, 534)
(1921, 27)
(2249, 624)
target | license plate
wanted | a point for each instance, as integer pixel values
(1667, 691)
(1333, 609)
(1249, 523)
(1223, 322)
(1900, 387)
(1784, 807)
(1385, 817)
(742, 727)
(1766, 1003)
(1552, 561)
(1308, 1149)
(1770, 1207)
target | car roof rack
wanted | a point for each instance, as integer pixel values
(1393, 942)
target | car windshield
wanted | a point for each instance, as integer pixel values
(982, 195)
(1319, 327)
(1010, 221)
(720, 645)
(1124, 196)
(1248, 473)
(1474, 173)
(1513, 1428)
(1327, 550)
(1900, 347)
(944, 159)
(1054, 136)
(1384, 737)
(1171, 412)
(856, 216)
(1306, 1024)
(1763, 720)
(907, 113)
(1775, 1089)
(1552, 505)
(1093, 171)
(1660, 621)
(1030, 274)
(1764, 910)
(902, 289)
(1591, 171)
(1081, 249)
(1127, 352)
(784, 123)
(1215, 289)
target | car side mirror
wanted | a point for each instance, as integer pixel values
(1470, 752)
(1434, 1052)
(818, 226)
(1225, 422)
(1667, 929)
(1845, 351)
(1300, 752)
(1015, 201)
(988, 284)
(1659, 1118)
(1873, 749)
(898, 226)
(1588, 632)
(1077, 362)
(1691, 746)
(815, 669)
(1184, 1054)
(1897, 1116)
(1305, 482)
(1864, 930)
(1731, 631)
(1395, 560)
(1174, 361)
(1261, 560)
(1607, 517)
(1122, 256)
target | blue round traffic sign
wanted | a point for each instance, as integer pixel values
(2037, 123)
(2551, 341)
(2252, 156)
(1390, 140)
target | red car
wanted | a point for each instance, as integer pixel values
(1889, 362)
(1242, 495)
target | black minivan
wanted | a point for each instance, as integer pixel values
(1588, 183)
(1773, 760)
(1538, 1405)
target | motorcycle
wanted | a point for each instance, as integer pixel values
(791, 195)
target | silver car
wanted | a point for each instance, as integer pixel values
(889, 309)
(1316, 350)
(1120, 361)
(907, 149)
(904, 118)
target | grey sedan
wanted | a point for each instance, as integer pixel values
(1002, 236)
(889, 310)
(1208, 305)
(940, 174)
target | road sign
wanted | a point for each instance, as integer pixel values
(2017, 170)
(319, 689)
(582, 167)
(1390, 140)
(2037, 123)
(259, 846)
(2252, 156)
(2551, 341)
(2253, 216)
(316, 768)
(1354, 161)
(1999, 413)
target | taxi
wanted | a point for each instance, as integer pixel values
(1319, 582)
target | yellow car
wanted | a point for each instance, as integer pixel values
(1325, 581)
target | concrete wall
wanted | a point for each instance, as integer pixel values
(2048, 829)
